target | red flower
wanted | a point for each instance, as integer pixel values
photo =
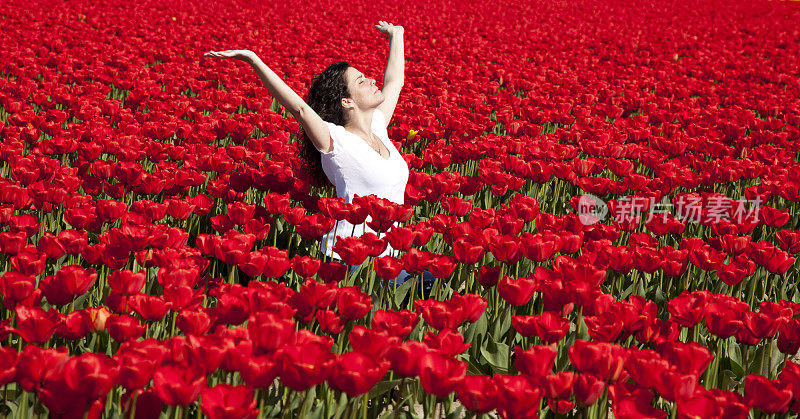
(588, 389)
(628, 401)
(305, 266)
(688, 309)
(400, 238)
(548, 326)
(69, 282)
(440, 375)
(603, 360)
(536, 361)
(388, 267)
(352, 303)
(228, 401)
(688, 358)
(127, 282)
(8, 365)
(466, 251)
(538, 247)
(373, 343)
(35, 325)
(478, 393)
(771, 396)
(352, 250)
(123, 328)
(179, 385)
(405, 358)
(519, 396)
(505, 248)
(258, 370)
(329, 321)
(15, 288)
(397, 323)
(559, 385)
(447, 342)
(91, 374)
(137, 361)
(301, 367)
(355, 373)
(270, 332)
(150, 307)
(516, 291)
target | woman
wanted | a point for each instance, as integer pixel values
(344, 131)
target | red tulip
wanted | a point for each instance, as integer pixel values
(270, 332)
(466, 251)
(301, 367)
(35, 325)
(400, 238)
(547, 326)
(688, 308)
(91, 374)
(601, 359)
(406, 357)
(397, 323)
(178, 385)
(516, 291)
(478, 393)
(519, 396)
(536, 361)
(305, 266)
(69, 282)
(355, 373)
(447, 342)
(15, 288)
(588, 389)
(226, 401)
(127, 282)
(440, 375)
(559, 385)
(770, 396)
(8, 365)
(330, 322)
(373, 343)
(37, 365)
(352, 303)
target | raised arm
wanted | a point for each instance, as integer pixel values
(393, 77)
(312, 124)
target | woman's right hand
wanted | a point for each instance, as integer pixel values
(238, 54)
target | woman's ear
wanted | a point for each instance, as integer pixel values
(347, 103)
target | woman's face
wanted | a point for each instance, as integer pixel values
(363, 91)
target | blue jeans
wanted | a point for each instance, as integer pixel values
(423, 291)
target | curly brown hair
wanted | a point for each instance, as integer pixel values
(325, 97)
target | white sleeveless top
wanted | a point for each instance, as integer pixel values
(355, 168)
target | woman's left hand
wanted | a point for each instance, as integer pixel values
(388, 29)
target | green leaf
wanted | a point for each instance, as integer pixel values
(317, 412)
(736, 368)
(456, 414)
(401, 292)
(502, 324)
(382, 387)
(496, 354)
(341, 405)
(476, 329)
(474, 367)
(726, 378)
(735, 354)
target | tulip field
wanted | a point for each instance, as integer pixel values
(605, 191)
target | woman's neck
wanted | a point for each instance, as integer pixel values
(360, 123)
